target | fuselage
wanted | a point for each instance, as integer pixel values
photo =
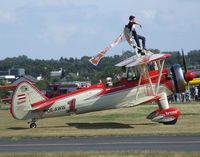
(101, 97)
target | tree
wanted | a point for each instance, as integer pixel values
(85, 69)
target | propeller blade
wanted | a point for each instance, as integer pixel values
(184, 62)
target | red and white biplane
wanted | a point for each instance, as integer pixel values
(145, 80)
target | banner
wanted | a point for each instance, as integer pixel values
(96, 59)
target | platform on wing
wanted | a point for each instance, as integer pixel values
(135, 60)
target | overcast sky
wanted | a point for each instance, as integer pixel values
(46, 29)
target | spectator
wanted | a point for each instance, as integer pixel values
(187, 96)
(196, 93)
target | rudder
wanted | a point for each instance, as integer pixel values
(24, 96)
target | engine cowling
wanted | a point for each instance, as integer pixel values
(167, 116)
(178, 78)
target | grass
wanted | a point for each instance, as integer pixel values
(104, 154)
(127, 121)
(4, 106)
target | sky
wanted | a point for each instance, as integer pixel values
(50, 29)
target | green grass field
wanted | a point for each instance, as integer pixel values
(128, 121)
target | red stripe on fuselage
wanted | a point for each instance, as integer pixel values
(21, 98)
(20, 95)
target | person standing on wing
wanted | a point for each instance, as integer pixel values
(131, 26)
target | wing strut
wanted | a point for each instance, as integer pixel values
(138, 87)
(160, 74)
(145, 74)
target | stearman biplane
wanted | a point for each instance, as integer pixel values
(145, 80)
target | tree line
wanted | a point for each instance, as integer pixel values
(86, 70)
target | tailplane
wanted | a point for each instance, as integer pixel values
(24, 96)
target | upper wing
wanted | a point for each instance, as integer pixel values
(135, 61)
(127, 61)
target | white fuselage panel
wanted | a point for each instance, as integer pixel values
(89, 101)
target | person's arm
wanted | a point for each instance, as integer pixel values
(138, 24)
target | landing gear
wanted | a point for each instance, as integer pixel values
(165, 114)
(32, 123)
(171, 122)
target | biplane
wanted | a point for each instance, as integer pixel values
(146, 80)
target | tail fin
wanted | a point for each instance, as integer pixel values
(25, 95)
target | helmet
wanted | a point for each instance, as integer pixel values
(108, 79)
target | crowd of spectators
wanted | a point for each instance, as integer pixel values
(192, 94)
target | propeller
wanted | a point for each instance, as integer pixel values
(188, 74)
(181, 77)
(184, 62)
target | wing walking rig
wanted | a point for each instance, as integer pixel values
(95, 60)
(125, 36)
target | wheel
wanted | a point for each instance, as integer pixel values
(33, 125)
(171, 122)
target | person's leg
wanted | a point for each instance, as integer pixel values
(137, 41)
(143, 41)
(135, 35)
